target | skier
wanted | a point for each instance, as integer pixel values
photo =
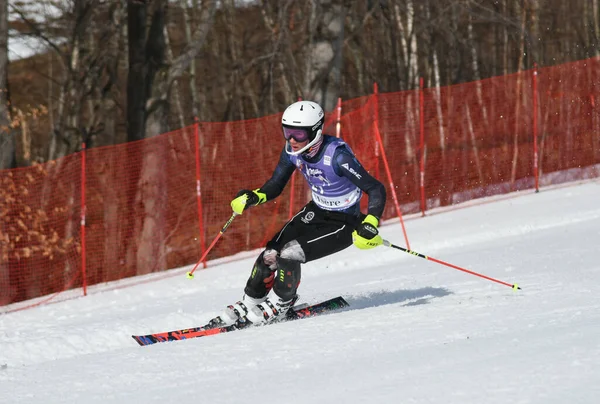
(329, 223)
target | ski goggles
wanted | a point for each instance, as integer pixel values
(298, 134)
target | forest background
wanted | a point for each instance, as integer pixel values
(93, 73)
(113, 71)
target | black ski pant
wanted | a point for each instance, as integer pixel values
(311, 234)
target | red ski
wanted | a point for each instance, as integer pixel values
(213, 328)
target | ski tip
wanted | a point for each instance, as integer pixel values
(142, 340)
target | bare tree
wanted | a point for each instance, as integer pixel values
(7, 135)
(156, 81)
(311, 49)
(406, 23)
(167, 74)
(324, 64)
(596, 22)
(519, 96)
(175, 93)
(188, 21)
(7, 147)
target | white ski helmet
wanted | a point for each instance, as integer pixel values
(303, 120)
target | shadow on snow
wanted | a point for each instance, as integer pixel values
(408, 297)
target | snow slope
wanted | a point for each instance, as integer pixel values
(416, 331)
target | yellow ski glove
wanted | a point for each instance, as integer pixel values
(366, 235)
(246, 198)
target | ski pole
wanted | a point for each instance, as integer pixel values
(190, 274)
(406, 250)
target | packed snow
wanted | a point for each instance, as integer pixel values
(416, 331)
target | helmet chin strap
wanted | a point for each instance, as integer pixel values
(288, 147)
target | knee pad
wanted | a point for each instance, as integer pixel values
(293, 251)
(261, 279)
(270, 258)
(287, 278)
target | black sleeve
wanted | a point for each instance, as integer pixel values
(281, 175)
(347, 165)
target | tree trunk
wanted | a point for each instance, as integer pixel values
(152, 190)
(23, 141)
(187, 25)
(534, 31)
(476, 74)
(176, 96)
(474, 146)
(7, 134)
(137, 89)
(518, 101)
(438, 101)
(308, 62)
(151, 197)
(596, 19)
(505, 40)
(409, 50)
(408, 41)
(151, 185)
(7, 150)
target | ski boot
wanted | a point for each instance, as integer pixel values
(238, 311)
(271, 310)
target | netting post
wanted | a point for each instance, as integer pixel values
(338, 123)
(422, 145)
(535, 128)
(199, 189)
(82, 224)
(385, 162)
(376, 119)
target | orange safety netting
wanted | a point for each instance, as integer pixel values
(113, 212)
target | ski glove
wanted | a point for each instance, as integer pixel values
(246, 198)
(366, 235)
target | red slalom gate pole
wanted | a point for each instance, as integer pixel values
(535, 129)
(199, 187)
(422, 146)
(406, 250)
(190, 274)
(83, 208)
